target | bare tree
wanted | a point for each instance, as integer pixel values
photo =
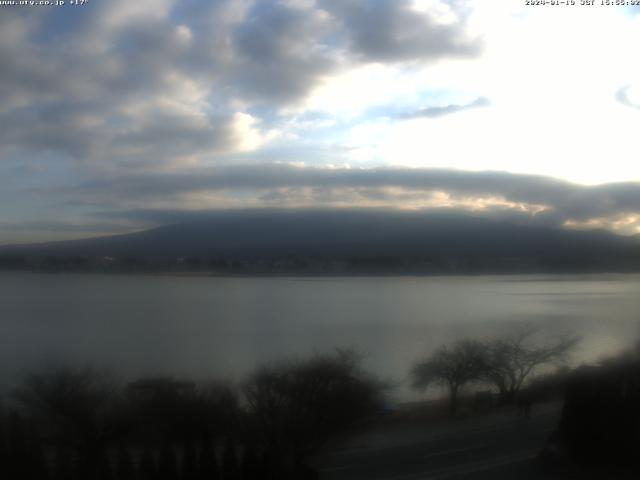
(296, 407)
(510, 360)
(73, 401)
(74, 406)
(452, 367)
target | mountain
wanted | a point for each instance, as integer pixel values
(341, 240)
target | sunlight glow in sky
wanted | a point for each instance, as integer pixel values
(551, 77)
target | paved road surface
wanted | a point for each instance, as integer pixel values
(495, 446)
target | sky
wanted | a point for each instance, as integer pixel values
(117, 115)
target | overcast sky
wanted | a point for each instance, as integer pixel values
(116, 111)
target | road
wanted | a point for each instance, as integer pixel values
(492, 446)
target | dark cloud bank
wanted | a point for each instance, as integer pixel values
(562, 200)
(509, 235)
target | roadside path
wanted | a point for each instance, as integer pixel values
(494, 446)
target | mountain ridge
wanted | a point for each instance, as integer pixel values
(379, 239)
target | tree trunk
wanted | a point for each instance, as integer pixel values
(507, 396)
(453, 400)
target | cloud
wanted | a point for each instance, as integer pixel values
(167, 104)
(280, 52)
(539, 198)
(61, 229)
(622, 97)
(435, 112)
(124, 101)
(153, 82)
(393, 31)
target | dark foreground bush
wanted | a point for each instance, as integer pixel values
(78, 424)
(600, 420)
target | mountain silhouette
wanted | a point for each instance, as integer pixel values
(387, 237)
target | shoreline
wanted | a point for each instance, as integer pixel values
(293, 274)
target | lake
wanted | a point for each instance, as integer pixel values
(212, 327)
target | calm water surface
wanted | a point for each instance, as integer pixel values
(206, 327)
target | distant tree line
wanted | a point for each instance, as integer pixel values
(397, 263)
(80, 425)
